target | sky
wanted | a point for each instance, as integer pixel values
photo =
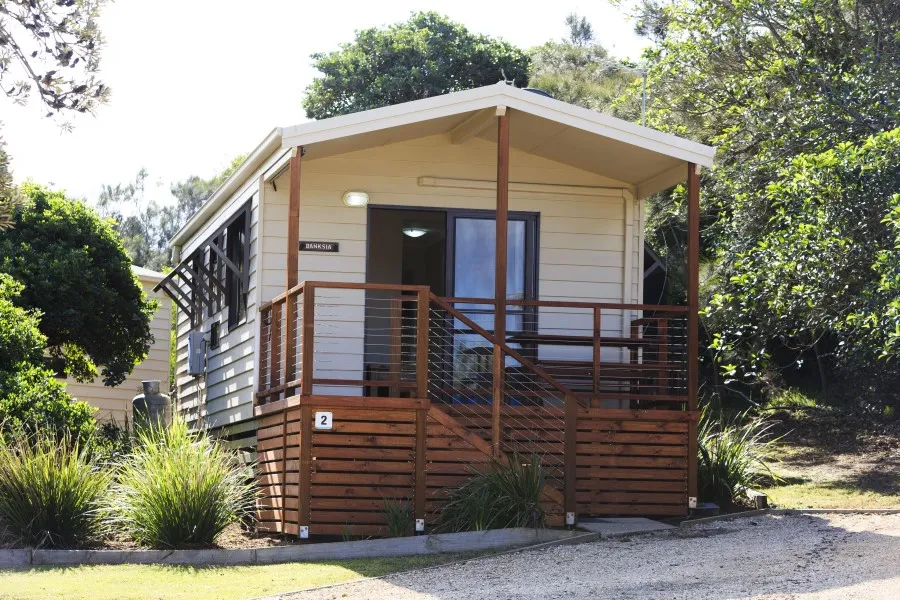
(197, 82)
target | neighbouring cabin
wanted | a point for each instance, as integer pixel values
(113, 404)
(344, 281)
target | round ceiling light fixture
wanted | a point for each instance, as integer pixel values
(414, 232)
(356, 199)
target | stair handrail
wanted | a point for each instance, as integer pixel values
(502, 344)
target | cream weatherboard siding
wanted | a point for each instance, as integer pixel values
(114, 403)
(589, 250)
(589, 242)
(224, 396)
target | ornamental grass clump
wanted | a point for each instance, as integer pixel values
(51, 493)
(733, 456)
(507, 495)
(179, 488)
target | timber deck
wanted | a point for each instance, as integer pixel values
(439, 397)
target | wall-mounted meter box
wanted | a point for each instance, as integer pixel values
(196, 353)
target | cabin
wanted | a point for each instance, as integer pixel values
(356, 335)
(113, 404)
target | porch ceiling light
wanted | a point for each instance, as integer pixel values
(414, 232)
(356, 199)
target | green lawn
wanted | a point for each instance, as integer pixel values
(812, 494)
(189, 583)
(831, 476)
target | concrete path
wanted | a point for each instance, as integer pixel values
(618, 527)
(816, 557)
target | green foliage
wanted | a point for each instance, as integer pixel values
(801, 100)
(77, 274)
(823, 262)
(399, 517)
(112, 442)
(52, 49)
(179, 488)
(145, 225)
(507, 495)
(50, 493)
(32, 401)
(21, 340)
(790, 399)
(733, 455)
(10, 198)
(579, 70)
(427, 55)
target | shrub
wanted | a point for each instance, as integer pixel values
(32, 401)
(50, 492)
(179, 488)
(399, 517)
(507, 495)
(733, 454)
(112, 442)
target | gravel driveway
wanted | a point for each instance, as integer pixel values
(771, 557)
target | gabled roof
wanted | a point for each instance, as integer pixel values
(566, 116)
(642, 158)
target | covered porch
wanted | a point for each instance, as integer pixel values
(401, 389)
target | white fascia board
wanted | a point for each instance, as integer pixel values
(228, 187)
(498, 95)
(611, 127)
(387, 117)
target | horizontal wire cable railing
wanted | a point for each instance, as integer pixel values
(365, 341)
(609, 355)
(342, 339)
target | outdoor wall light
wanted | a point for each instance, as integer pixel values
(414, 232)
(356, 199)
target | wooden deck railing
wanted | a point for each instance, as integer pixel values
(630, 355)
(340, 339)
(521, 393)
(374, 340)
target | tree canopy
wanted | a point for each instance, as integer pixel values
(77, 274)
(578, 69)
(51, 48)
(145, 225)
(9, 194)
(21, 341)
(31, 399)
(427, 55)
(801, 100)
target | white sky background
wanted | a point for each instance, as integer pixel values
(197, 82)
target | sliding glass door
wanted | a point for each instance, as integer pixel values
(472, 263)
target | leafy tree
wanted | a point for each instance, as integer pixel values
(777, 87)
(30, 398)
(9, 195)
(825, 265)
(579, 70)
(427, 55)
(21, 341)
(51, 48)
(76, 273)
(145, 225)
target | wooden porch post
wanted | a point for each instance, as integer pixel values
(693, 294)
(293, 249)
(293, 230)
(500, 271)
